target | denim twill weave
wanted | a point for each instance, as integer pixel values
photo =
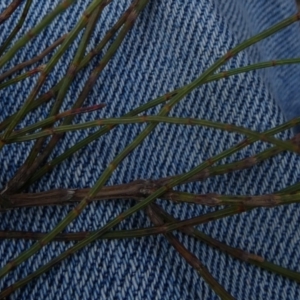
(171, 44)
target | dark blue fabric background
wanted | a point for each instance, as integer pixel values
(172, 43)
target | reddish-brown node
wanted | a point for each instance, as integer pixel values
(241, 209)
(167, 107)
(167, 187)
(98, 69)
(77, 210)
(144, 118)
(11, 265)
(85, 17)
(131, 17)
(228, 55)
(65, 4)
(30, 34)
(228, 127)
(111, 167)
(88, 199)
(210, 162)
(41, 243)
(190, 121)
(72, 70)
(224, 74)
(168, 96)
(121, 217)
(294, 121)
(264, 138)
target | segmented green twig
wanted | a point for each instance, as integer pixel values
(66, 82)
(88, 86)
(51, 93)
(25, 172)
(141, 188)
(70, 112)
(191, 259)
(21, 77)
(36, 247)
(141, 109)
(33, 60)
(269, 200)
(225, 74)
(77, 58)
(101, 181)
(234, 252)
(6, 14)
(53, 61)
(60, 8)
(136, 233)
(212, 216)
(75, 212)
(152, 230)
(284, 145)
(17, 27)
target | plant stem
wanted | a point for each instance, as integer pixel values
(190, 258)
(51, 93)
(269, 200)
(152, 230)
(53, 61)
(66, 82)
(101, 181)
(25, 172)
(21, 77)
(234, 252)
(225, 74)
(75, 212)
(17, 27)
(60, 8)
(33, 60)
(171, 226)
(6, 14)
(283, 145)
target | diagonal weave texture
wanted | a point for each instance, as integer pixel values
(171, 44)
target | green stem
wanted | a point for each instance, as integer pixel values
(21, 77)
(149, 105)
(17, 27)
(284, 145)
(191, 259)
(132, 233)
(75, 212)
(66, 82)
(6, 14)
(88, 86)
(32, 60)
(236, 253)
(137, 233)
(60, 8)
(101, 181)
(53, 119)
(48, 67)
(51, 93)
(269, 200)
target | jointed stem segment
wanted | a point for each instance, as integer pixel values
(162, 188)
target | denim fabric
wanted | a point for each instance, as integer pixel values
(172, 43)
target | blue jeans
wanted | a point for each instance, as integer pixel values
(171, 44)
